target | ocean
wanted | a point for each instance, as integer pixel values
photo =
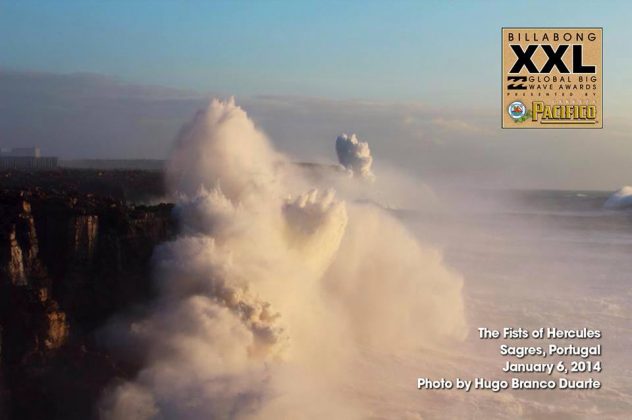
(529, 259)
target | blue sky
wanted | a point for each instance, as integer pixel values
(412, 51)
(420, 81)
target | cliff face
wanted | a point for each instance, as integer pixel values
(68, 262)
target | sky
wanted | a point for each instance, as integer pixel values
(397, 50)
(419, 81)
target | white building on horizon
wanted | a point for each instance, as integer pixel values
(25, 158)
(33, 152)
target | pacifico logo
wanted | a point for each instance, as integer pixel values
(552, 78)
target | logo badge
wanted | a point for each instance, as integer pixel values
(517, 110)
(552, 78)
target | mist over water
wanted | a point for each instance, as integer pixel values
(278, 289)
(296, 291)
(532, 259)
(355, 156)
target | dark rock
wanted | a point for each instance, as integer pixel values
(70, 258)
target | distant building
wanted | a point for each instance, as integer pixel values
(26, 158)
(22, 152)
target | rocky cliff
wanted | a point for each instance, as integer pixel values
(69, 260)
